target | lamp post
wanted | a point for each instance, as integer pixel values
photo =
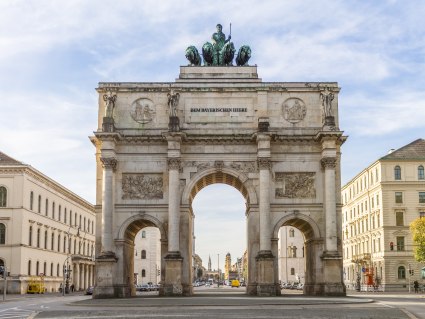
(218, 270)
(66, 267)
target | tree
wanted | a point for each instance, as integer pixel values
(418, 230)
(200, 273)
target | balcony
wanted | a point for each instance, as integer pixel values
(361, 258)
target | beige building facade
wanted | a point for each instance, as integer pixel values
(291, 255)
(44, 229)
(159, 144)
(379, 205)
(147, 256)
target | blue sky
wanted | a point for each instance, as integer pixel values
(53, 54)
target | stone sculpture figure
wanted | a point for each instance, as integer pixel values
(109, 99)
(173, 102)
(327, 98)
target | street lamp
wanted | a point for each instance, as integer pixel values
(66, 267)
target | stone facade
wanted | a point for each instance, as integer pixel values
(44, 227)
(379, 205)
(277, 143)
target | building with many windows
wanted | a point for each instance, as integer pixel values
(291, 255)
(378, 206)
(46, 231)
(147, 256)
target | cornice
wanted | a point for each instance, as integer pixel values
(31, 172)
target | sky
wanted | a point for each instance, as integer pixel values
(54, 53)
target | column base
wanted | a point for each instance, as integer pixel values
(105, 266)
(266, 286)
(332, 284)
(173, 272)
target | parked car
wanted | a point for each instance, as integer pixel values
(144, 288)
(300, 286)
(89, 290)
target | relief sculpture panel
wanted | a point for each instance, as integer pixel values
(295, 185)
(142, 186)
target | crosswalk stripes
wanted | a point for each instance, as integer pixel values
(15, 313)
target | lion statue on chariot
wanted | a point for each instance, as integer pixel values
(219, 52)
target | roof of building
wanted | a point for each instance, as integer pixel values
(7, 160)
(414, 150)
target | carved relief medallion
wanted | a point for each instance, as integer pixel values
(294, 110)
(142, 186)
(142, 111)
(295, 185)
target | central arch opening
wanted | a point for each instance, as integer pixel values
(219, 204)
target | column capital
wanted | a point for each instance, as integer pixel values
(328, 162)
(264, 163)
(109, 162)
(174, 163)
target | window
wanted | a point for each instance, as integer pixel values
(39, 204)
(80, 222)
(70, 217)
(84, 225)
(143, 234)
(64, 214)
(37, 268)
(292, 271)
(46, 209)
(422, 214)
(57, 270)
(51, 269)
(3, 196)
(38, 238)
(421, 174)
(143, 273)
(422, 197)
(291, 232)
(52, 246)
(377, 200)
(398, 197)
(143, 254)
(400, 243)
(45, 239)
(2, 234)
(64, 244)
(59, 243)
(31, 200)
(29, 268)
(397, 173)
(30, 236)
(401, 272)
(75, 246)
(45, 269)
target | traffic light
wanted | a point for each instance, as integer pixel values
(391, 246)
(158, 272)
(411, 272)
(2, 271)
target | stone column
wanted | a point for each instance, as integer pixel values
(173, 260)
(173, 205)
(329, 164)
(265, 238)
(109, 164)
(77, 277)
(265, 260)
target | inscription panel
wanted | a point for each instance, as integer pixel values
(219, 110)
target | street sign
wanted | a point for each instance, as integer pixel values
(363, 269)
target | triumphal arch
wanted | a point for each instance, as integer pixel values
(159, 144)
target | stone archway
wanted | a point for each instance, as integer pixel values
(238, 180)
(160, 143)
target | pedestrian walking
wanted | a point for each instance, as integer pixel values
(416, 286)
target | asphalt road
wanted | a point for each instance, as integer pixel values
(220, 303)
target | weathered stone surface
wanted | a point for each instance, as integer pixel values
(268, 140)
